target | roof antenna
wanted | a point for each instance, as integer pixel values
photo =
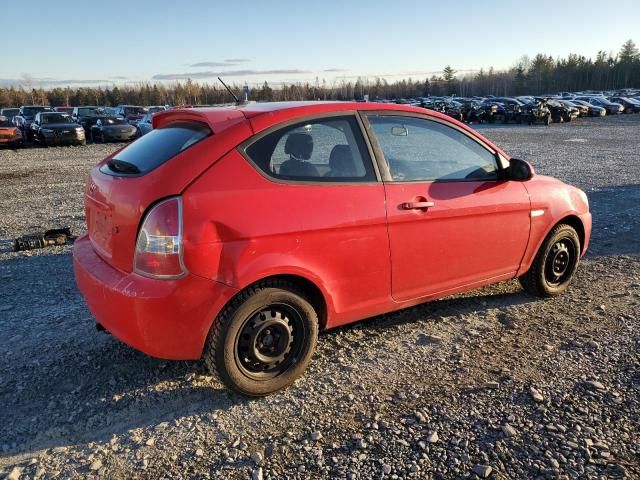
(231, 92)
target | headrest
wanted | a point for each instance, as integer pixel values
(341, 160)
(300, 145)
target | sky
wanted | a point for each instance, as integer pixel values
(73, 42)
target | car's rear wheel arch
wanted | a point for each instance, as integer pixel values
(313, 293)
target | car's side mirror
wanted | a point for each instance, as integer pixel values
(519, 170)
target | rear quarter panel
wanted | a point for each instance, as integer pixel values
(240, 227)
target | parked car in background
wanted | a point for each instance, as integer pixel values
(537, 111)
(110, 129)
(514, 109)
(53, 128)
(582, 110)
(631, 105)
(63, 109)
(25, 118)
(610, 107)
(10, 135)
(87, 116)
(594, 110)
(236, 234)
(131, 113)
(145, 125)
(157, 108)
(9, 113)
(560, 112)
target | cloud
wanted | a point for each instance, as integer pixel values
(335, 70)
(37, 82)
(212, 64)
(229, 73)
(230, 62)
(70, 82)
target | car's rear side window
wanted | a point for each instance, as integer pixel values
(320, 150)
(159, 146)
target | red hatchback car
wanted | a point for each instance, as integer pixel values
(236, 234)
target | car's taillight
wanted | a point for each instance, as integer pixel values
(159, 244)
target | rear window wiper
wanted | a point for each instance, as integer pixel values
(121, 166)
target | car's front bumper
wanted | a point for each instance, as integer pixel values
(586, 220)
(119, 136)
(162, 318)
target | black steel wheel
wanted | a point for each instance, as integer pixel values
(559, 261)
(270, 341)
(555, 263)
(263, 339)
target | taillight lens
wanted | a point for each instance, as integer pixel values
(159, 244)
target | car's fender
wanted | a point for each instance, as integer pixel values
(552, 202)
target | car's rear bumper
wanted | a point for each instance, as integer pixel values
(163, 318)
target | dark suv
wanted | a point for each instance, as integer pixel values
(25, 118)
(87, 116)
(131, 113)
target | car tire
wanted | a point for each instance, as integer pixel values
(263, 339)
(555, 263)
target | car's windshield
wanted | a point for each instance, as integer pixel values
(113, 121)
(31, 112)
(89, 111)
(55, 118)
(5, 122)
(10, 112)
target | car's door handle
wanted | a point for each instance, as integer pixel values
(417, 205)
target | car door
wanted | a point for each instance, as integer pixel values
(327, 199)
(452, 221)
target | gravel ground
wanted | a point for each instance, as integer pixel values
(489, 384)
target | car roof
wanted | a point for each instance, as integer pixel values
(267, 114)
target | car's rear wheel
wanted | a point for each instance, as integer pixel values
(555, 263)
(264, 339)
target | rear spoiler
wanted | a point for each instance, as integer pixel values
(217, 118)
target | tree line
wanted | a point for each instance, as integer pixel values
(538, 75)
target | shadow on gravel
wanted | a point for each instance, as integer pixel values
(62, 382)
(471, 302)
(616, 221)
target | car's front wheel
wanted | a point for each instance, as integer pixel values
(555, 263)
(264, 339)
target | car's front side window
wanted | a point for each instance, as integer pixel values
(320, 150)
(417, 149)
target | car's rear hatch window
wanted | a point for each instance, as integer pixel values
(156, 148)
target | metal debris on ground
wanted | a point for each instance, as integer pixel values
(56, 236)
